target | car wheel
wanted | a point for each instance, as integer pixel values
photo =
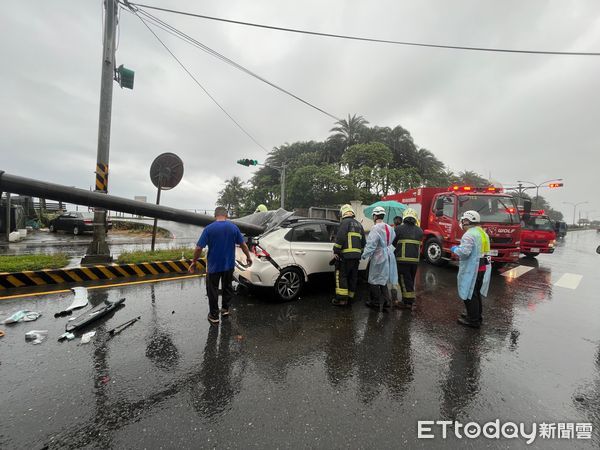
(76, 230)
(434, 252)
(52, 228)
(289, 284)
(530, 255)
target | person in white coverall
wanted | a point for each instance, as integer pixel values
(382, 267)
(474, 272)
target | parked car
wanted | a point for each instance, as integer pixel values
(286, 255)
(75, 222)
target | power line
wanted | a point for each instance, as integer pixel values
(185, 37)
(365, 39)
(200, 84)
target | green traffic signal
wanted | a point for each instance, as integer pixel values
(247, 162)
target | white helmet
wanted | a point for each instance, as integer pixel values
(471, 216)
(379, 211)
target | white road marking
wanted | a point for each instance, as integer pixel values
(516, 272)
(569, 281)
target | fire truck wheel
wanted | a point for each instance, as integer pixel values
(531, 255)
(434, 252)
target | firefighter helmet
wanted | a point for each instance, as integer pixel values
(347, 211)
(471, 216)
(379, 211)
(410, 215)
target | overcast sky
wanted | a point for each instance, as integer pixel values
(530, 117)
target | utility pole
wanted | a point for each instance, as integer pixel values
(98, 251)
(283, 186)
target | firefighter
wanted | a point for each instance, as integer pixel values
(382, 267)
(408, 249)
(475, 268)
(261, 208)
(349, 244)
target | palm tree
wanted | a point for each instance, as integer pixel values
(348, 131)
(426, 163)
(233, 195)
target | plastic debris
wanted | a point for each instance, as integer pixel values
(68, 336)
(36, 336)
(23, 316)
(87, 337)
(119, 328)
(80, 300)
(1, 333)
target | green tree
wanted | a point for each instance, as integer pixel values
(233, 196)
(318, 186)
(348, 131)
(472, 178)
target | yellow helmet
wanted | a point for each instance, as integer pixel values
(347, 211)
(261, 208)
(410, 213)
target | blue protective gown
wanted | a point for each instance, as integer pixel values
(470, 251)
(382, 268)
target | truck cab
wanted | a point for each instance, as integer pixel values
(440, 210)
(537, 234)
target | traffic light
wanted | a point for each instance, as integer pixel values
(555, 185)
(247, 162)
(125, 77)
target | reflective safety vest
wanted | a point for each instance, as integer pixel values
(350, 240)
(408, 243)
(485, 241)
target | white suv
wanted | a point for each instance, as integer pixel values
(286, 255)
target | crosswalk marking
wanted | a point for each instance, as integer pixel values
(516, 272)
(569, 281)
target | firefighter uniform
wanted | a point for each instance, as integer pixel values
(408, 250)
(348, 248)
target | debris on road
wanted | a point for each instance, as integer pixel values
(22, 316)
(87, 337)
(119, 328)
(68, 336)
(94, 314)
(1, 333)
(80, 300)
(36, 336)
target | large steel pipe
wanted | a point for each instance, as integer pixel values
(58, 192)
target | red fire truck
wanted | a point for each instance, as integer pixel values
(537, 233)
(441, 208)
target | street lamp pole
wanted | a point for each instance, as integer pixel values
(575, 205)
(537, 187)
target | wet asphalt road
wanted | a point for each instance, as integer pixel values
(306, 374)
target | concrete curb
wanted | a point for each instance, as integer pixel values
(81, 275)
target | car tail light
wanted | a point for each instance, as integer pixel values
(260, 252)
(88, 221)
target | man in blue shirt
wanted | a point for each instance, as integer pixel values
(220, 237)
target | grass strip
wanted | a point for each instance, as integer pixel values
(21, 263)
(136, 257)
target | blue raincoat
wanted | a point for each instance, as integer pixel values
(471, 249)
(382, 268)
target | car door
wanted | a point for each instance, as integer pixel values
(447, 219)
(62, 222)
(311, 248)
